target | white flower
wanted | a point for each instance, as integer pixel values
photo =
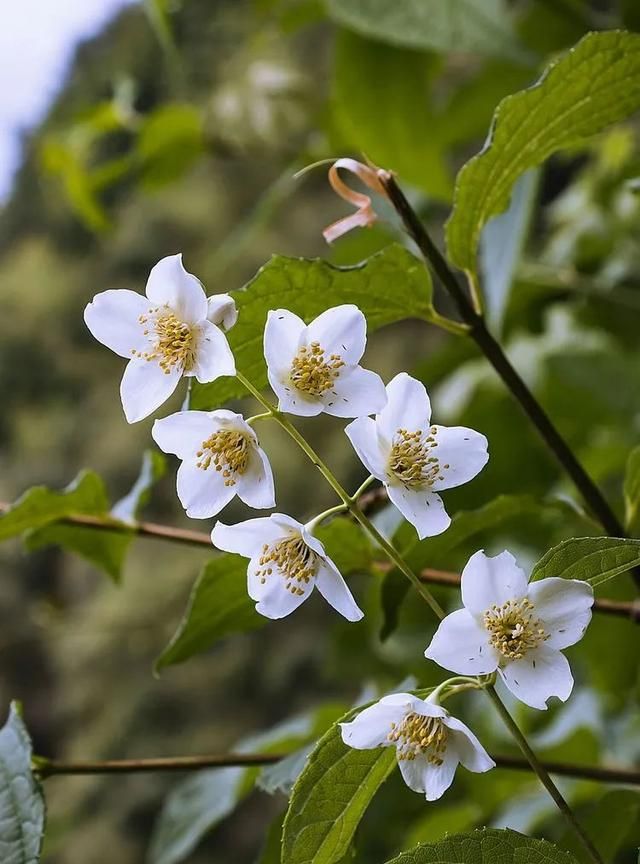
(414, 459)
(429, 742)
(315, 368)
(516, 628)
(220, 457)
(286, 563)
(170, 333)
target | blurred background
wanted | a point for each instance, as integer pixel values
(130, 131)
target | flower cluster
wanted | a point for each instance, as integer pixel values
(507, 627)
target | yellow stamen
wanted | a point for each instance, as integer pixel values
(296, 561)
(172, 340)
(228, 451)
(513, 628)
(311, 372)
(421, 736)
(411, 460)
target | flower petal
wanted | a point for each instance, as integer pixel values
(282, 334)
(423, 509)
(540, 674)
(470, 751)
(341, 330)
(364, 439)
(203, 494)
(487, 580)
(255, 486)
(213, 357)
(171, 285)
(414, 772)
(246, 538)
(355, 393)
(112, 317)
(438, 778)
(407, 407)
(278, 601)
(182, 433)
(461, 644)
(331, 585)
(145, 387)
(222, 311)
(371, 727)
(564, 607)
(294, 401)
(461, 454)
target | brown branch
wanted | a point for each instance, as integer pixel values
(49, 768)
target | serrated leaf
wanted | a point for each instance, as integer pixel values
(632, 492)
(481, 26)
(22, 807)
(308, 287)
(595, 84)
(592, 559)
(487, 846)
(330, 797)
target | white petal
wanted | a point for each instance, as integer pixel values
(488, 580)
(407, 407)
(461, 644)
(277, 601)
(356, 392)
(288, 524)
(426, 708)
(214, 357)
(183, 433)
(463, 450)
(246, 538)
(564, 607)
(145, 387)
(364, 439)
(281, 341)
(255, 486)
(438, 778)
(423, 509)
(222, 311)
(112, 317)
(170, 284)
(202, 493)
(469, 750)
(542, 673)
(371, 727)
(333, 588)
(414, 772)
(341, 330)
(294, 401)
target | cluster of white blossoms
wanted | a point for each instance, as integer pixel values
(507, 627)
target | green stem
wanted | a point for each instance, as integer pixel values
(543, 776)
(313, 523)
(251, 420)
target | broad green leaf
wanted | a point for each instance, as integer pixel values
(481, 26)
(595, 84)
(403, 136)
(443, 819)
(612, 822)
(487, 846)
(308, 287)
(22, 807)
(153, 468)
(330, 798)
(219, 605)
(632, 492)
(347, 544)
(170, 141)
(107, 550)
(592, 559)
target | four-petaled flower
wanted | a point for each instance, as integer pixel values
(315, 368)
(414, 459)
(429, 742)
(287, 561)
(220, 457)
(516, 628)
(170, 333)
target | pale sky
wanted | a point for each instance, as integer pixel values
(37, 40)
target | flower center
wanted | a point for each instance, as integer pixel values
(513, 628)
(422, 736)
(311, 372)
(228, 451)
(410, 460)
(296, 561)
(173, 341)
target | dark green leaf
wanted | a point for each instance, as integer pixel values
(595, 84)
(105, 549)
(611, 821)
(488, 846)
(632, 492)
(308, 287)
(347, 544)
(591, 559)
(22, 807)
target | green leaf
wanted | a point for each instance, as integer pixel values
(347, 544)
(169, 142)
(368, 74)
(107, 550)
(487, 846)
(632, 492)
(612, 821)
(219, 605)
(481, 26)
(153, 468)
(22, 807)
(330, 797)
(595, 84)
(592, 559)
(308, 287)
